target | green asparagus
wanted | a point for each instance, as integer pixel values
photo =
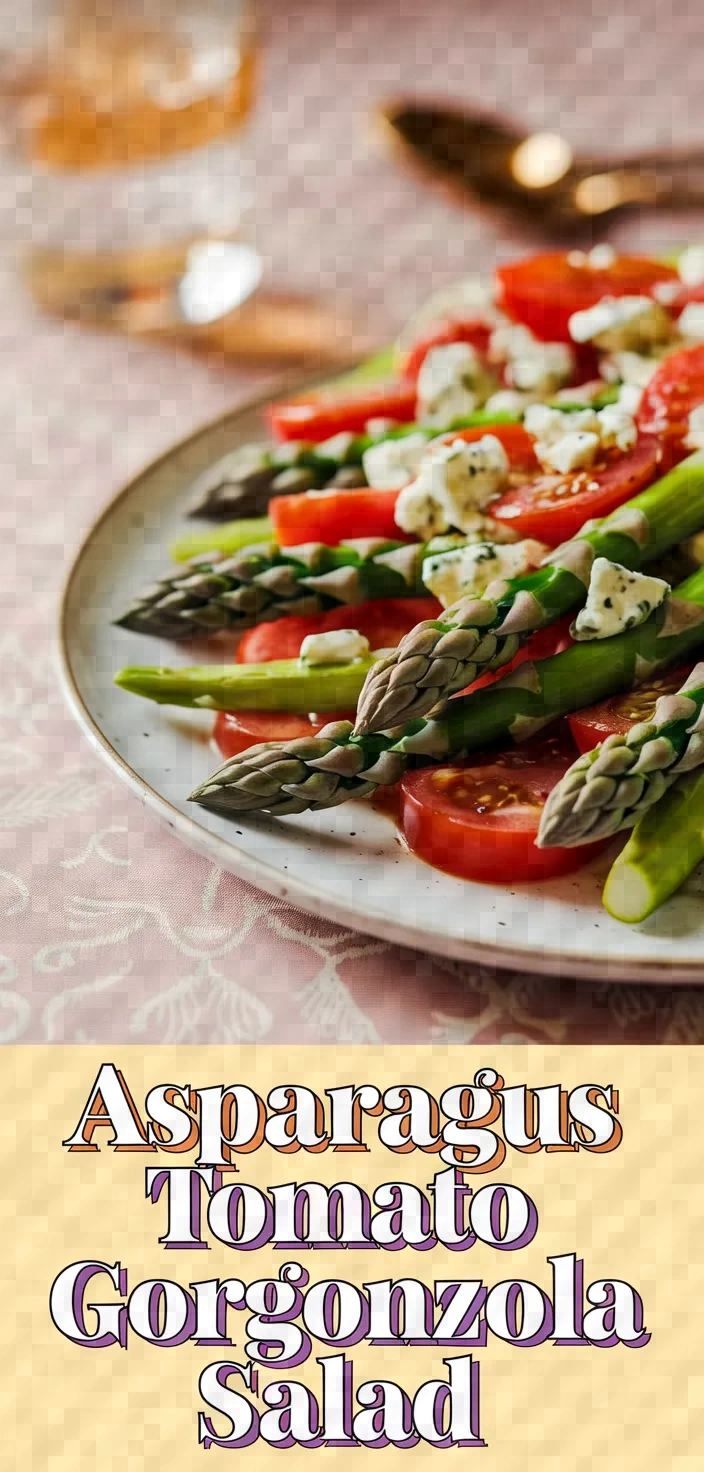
(444, 655)
(323, 771)
(288, 685)
(243, 482)
(262, 583)
(610, 788)
(249, 532)
(665, 846)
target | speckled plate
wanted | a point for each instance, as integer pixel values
(347, 865)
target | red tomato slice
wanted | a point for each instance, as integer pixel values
(543, 291)
(441, 334)
(316, 417)
(553, 639)
(554, 507)
(234, 731)
(616, 716)
(334, 516)
(383, 621)
(675, 388)
(479, 818)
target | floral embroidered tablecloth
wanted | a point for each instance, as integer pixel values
(111, 931)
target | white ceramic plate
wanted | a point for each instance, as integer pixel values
(347, 864)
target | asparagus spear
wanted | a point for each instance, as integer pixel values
(665, 846)
(420, 673)
(323, 771)
(262, 583)
(249, 532)
(282, 685)
(610, 788)
(243, 481)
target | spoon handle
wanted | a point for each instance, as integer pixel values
(658, 187)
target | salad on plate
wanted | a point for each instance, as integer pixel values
(468, 581)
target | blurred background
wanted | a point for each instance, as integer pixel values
(229, 150)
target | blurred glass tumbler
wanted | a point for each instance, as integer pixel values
(130, 124)
(131, 115)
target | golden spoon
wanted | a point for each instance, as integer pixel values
(483, 160)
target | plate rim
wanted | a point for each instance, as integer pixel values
(261, 874)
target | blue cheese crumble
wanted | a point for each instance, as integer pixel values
(467, 572)
(624, 323)
(336, 646)
(452, 383)
(393, 463)
(456, 483)
(566, 442)
(617, 600)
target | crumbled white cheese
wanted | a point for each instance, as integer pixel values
(575, 451)
(666, 292)
(508, 340)
(633, 368)
(617, 600)
(546, 367)
(617, 429)
(601, 257)
(629, 397)
(338, 445)
(548, 425)
(466, 572)
(336, 646)
(691, 265)
(393, 463)
(695, 434)
(452, 383)
(380, 425)
(567, 442)
(456, 482)
(419, 513)
(622, 323)
(507, 401)
(531, 366)
(691, 321)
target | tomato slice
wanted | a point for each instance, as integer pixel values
(235, 731)
(334, 516)
(439, 335)
(616, 716)
(383, 621)
(675, 388)
(553, 639)
(543, 291)
(554, 507)
(479, 818)
(316, 417)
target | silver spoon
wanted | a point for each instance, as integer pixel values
(206, 294)
(487, 161)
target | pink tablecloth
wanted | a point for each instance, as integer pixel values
(111, 931)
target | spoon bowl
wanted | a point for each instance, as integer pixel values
(483, 160)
